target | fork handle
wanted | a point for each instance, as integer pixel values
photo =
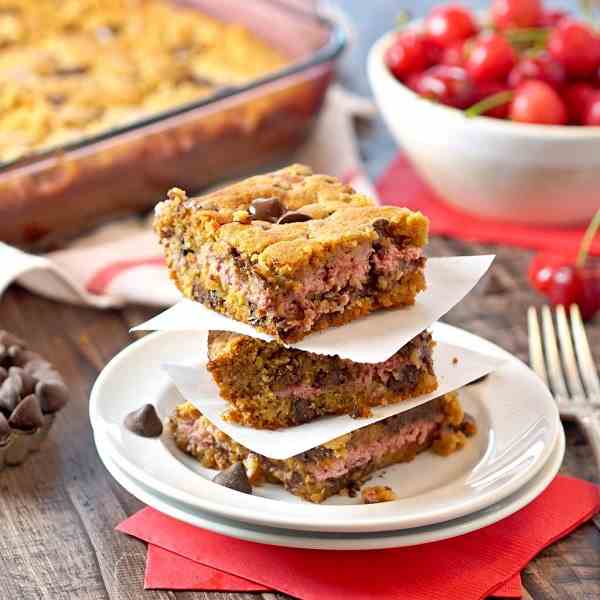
(591, 428)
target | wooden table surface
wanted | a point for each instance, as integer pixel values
(58, 512)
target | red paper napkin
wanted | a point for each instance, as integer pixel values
(473, 566)
(169, 571)
(401, 184)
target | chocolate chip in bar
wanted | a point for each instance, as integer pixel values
(293, 217)
(4, 429)
(234, 478)
(266, 209)
(144, 421)
(381, 226)
(10, 394)
(28, 381)
(28, 414)
(53, 395)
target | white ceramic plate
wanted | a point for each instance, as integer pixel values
(517, 418)
(343, 541)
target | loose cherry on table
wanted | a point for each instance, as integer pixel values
(569, 279)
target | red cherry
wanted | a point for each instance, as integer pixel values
(552, 17)
(448, 85)
(490, 58)
(543, 67)
(516, 13)
(434, 51)
(408, 54)
(537, 102)
(576, 47)
(592, 113)
(570, 285)
(449, 24)
(542, 268)
(488, 88)
(577, 96)
(455, 54)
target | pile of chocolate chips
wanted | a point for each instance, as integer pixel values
(29, 387)
(273, 211)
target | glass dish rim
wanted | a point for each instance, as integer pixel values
(329, 51)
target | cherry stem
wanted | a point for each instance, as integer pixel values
(402, 18)
(489, 103)
(587, 239)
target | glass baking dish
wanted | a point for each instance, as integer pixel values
(49, 196)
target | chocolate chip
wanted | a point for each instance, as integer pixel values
(13, 352)
(303, 411)
(3, 375)
(266, 209)
(144, 421)
(53, 395)
(381, 226)
(234, 478)
(28, 414)
(293, 217)
(10, 394)
(28, 381)
(4, 429)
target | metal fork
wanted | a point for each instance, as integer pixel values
(570, 372)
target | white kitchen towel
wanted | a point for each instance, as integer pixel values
(122, 263)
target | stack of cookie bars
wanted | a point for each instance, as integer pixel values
(291, 253)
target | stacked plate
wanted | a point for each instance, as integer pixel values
(516, 453)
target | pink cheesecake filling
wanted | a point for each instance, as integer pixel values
(344, 272)
(197, 437)
(416, 432)
(366, 376)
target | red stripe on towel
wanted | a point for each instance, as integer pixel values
(102, 278)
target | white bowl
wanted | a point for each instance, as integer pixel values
(539, 174)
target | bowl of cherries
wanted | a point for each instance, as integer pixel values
(499, 113)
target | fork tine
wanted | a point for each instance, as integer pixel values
(568, 355)
(584, 354)
(536, 353)
(555, 373)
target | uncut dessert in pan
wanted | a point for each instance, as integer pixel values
(71, 68)
(270, 386)
(292, 252)
(339, 466)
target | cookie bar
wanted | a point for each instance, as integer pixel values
(269, 385)
(341, 465)
(292, 252)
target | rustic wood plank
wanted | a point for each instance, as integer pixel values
(121, 559)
